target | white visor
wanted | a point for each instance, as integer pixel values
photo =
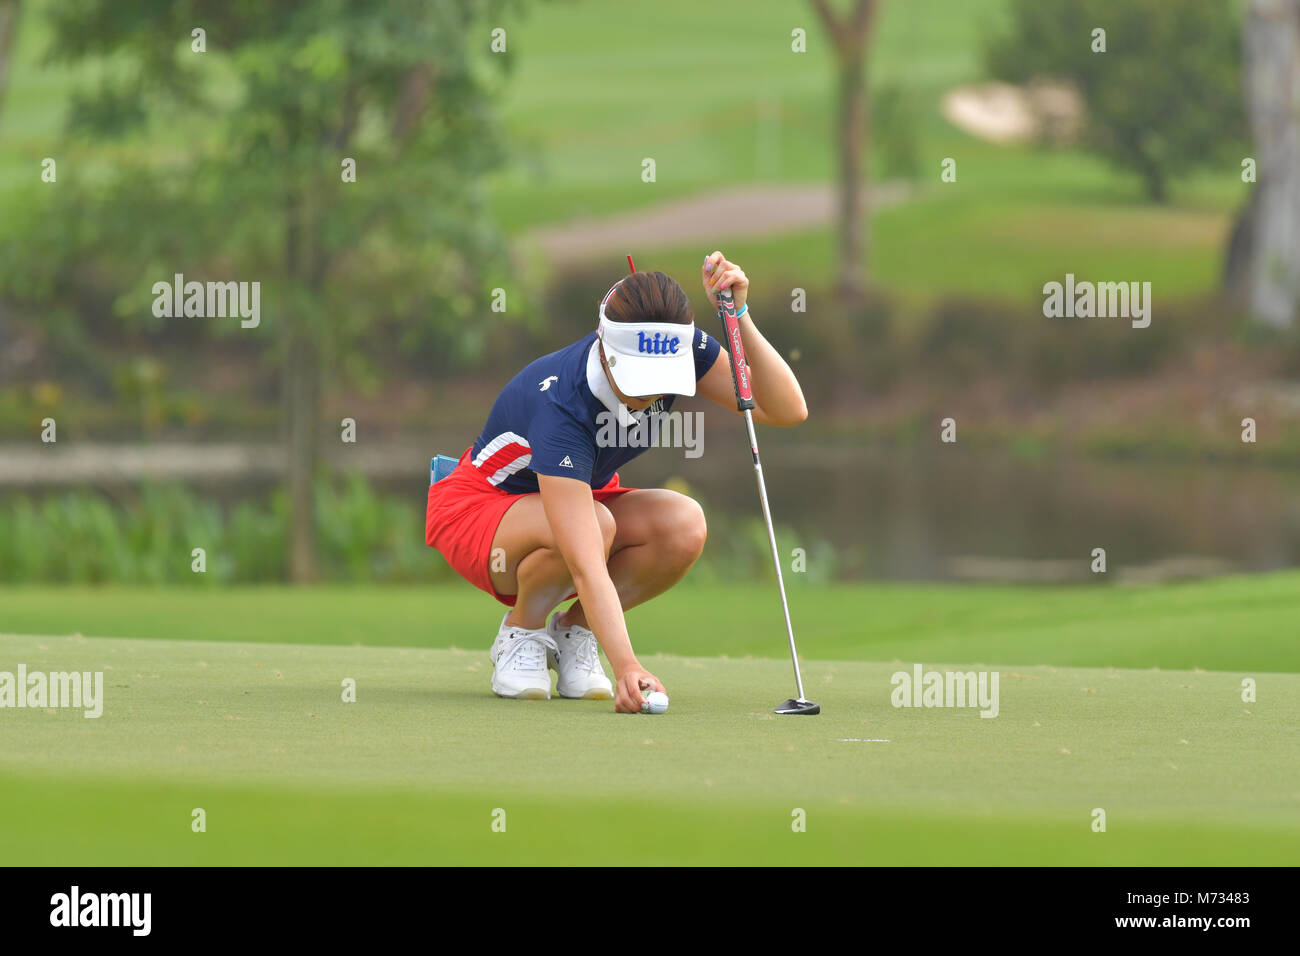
(648, 358)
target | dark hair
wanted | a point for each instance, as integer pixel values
(649, 297)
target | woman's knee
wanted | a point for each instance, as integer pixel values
(682, 530)
(608, 525)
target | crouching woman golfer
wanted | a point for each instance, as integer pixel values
(534, 512)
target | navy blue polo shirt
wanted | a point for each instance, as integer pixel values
(549, 419)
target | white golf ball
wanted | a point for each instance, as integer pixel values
(656, 702)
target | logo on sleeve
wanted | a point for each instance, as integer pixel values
(546, 382)
(565, 462)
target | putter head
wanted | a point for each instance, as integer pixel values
(797, 705)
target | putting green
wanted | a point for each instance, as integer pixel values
(259, 737)
(1246, 622)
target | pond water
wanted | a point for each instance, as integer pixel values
(940, 513)
(945, 513)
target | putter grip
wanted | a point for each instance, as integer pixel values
(736, 349)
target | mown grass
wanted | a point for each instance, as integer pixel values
(1234, 623)
(417, 770)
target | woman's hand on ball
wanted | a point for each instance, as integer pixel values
(633, 684)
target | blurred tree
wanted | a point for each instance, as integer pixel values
(1163, 98)
(9, 17)
(893, 124)
(850, 37)
(242, 178)
(1272, 53)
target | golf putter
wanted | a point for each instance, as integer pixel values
(744, 404)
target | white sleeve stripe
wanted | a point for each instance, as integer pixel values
(496, 444)
(503, 473)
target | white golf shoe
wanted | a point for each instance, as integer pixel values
(576, 660)
(520, 659)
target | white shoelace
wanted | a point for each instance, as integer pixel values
(526, 651)
(587, 650)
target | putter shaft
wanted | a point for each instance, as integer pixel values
(776, 556)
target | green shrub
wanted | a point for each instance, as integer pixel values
(89, 537)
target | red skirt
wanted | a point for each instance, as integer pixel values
(463, 516)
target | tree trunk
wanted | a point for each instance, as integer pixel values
(10, 11)
(301, 407)
(853, 148)
(300, 392)
(1240, 255)
(1154, 182)
(1272, 67)
(848, 37)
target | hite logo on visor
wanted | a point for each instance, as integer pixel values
(659, 345)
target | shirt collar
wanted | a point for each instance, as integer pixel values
(600, 387)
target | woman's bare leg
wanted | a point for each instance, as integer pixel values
(658, 535)
(535, 571)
